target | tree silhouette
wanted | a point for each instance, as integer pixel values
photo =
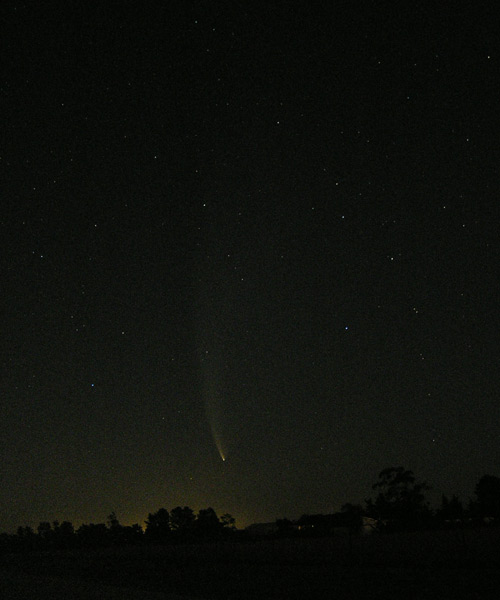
(488, 496)
(26, 538)
(284, 526)
(227, 521)
(44, 531)
(400, 497)
(207, 523)
(354, 515)
(93, 535)
(451, 510)
(130, 534)
(115, 529)
(158, 525)
(63, 534)
(182, 520)
(25, 532)
(113, 522)
(66, 528)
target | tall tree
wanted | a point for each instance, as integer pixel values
(64, 534)
(488, 496)
(182, 519)
(113, 522)
(158, 525)
(400, 498)
(207, 523)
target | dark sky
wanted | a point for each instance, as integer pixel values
(245, 233)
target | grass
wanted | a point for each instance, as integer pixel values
(437, 564)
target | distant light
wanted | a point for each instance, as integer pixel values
(346, 327)
(92, 384)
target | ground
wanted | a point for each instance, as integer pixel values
(423, 565)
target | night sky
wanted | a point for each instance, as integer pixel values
(249, 256)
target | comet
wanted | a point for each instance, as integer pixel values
(212, 397)
(218, 443)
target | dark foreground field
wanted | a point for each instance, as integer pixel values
(442, 564)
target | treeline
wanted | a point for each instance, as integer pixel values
(181, 524)
(401, 504)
